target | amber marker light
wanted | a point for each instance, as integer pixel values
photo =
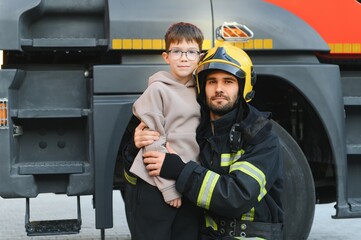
(3, 113)
(233, 31)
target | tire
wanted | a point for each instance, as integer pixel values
(298, 198)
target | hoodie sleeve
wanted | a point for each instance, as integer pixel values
(149, 109)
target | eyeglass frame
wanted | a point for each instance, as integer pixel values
(171, 52)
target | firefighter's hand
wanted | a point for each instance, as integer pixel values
(153, 161)
(143, 136)
(177, 203)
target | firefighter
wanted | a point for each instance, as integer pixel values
(240, 177)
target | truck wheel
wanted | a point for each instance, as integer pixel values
(298, 198)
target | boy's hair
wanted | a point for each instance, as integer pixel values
(180, 31)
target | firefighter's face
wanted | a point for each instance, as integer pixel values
(221, 93)
(182, 58)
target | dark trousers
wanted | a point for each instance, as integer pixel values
(151, 218)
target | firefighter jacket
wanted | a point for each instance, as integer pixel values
(240, 179)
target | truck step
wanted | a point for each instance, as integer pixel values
(56, 167)
(64, 42)
(53, 227)
(353, 149)
(351, 89)
(351, 101)
(50, 113)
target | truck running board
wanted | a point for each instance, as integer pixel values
(52, 227)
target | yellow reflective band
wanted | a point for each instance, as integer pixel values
(138, 44)
(248, 216)
(250, 44)
(210, 222)
(227, 159)
(147, 44)
(207, 44)
(205, 194)
(347, 48)
(130, 179)
(253, 172)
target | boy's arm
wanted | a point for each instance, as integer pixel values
(135, 137)
(149, 107)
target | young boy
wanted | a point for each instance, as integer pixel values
(169, 106)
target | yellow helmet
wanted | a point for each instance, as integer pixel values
(232, 60)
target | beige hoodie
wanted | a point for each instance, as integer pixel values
(170, 108)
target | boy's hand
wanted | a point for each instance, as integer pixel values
(143, 136)
(169, 149)
(177, 203)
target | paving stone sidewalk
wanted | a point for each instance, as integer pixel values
(12, 212)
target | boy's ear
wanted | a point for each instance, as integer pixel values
(201, 56)
(165, 57)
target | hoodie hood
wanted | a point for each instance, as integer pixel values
(167, 78)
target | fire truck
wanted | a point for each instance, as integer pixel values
(72, 69)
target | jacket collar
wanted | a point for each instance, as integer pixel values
(254, 127)
(224, 124)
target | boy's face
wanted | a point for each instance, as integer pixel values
(182, 67)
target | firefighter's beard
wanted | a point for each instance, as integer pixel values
(221, 109)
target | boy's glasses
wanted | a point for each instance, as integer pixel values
(190, 54)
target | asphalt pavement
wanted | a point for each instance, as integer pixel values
(50, 206)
